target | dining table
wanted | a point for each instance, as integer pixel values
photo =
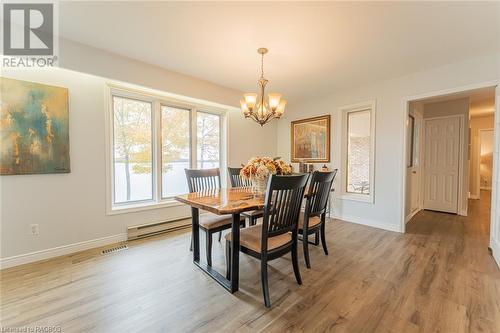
(222, 201)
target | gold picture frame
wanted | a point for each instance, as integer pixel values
(310, 140)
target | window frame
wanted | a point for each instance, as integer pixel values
(157, 100)
(345, 111)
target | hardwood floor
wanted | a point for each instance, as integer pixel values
(439, 277)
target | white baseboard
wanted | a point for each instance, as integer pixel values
(369, 223)
(495, 248)
(60, 251)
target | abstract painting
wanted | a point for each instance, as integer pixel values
(34, 128)
(311, 140)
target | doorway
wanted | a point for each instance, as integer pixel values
(450, 145)
(485, 159)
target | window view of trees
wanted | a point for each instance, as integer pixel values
(175, 145)
(140, 141)
(132, 150)
(208, 140)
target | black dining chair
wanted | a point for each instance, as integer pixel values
(312, 221)
(277, 235)
(208, 180)
(238, 181)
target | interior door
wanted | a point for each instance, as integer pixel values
(441, 165)
(413, 165)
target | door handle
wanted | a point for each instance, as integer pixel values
(414, 172)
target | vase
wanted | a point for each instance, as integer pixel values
(259, 186)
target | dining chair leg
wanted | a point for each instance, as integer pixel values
(191, 244)
(220, 235)
(295, 261)
(209, 247)
(265, 285)
(316, 238)
(228, 259)
(323, 238)
(305, 245)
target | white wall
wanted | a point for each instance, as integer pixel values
(477, 123)
(70, 208)
(386, 212)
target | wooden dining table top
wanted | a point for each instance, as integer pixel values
(224, 200)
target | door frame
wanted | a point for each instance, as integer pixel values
(478, 157)
(461, 141)
(406, 108)
(420, 121)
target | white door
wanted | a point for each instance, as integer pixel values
(413, 165)
(441, 164)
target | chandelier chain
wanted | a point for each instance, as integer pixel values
(262, 66)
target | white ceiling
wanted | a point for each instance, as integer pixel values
(314, 48)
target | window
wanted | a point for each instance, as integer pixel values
(175, 150)
(152, 140)
(132, 149)
(208, 137)
(358, 151)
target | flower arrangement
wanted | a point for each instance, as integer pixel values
(262, 167)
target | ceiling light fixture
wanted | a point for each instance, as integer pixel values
(258, 107)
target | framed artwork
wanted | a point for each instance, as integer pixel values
(311, 140)
(34, 128)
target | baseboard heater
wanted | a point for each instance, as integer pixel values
(152, 229)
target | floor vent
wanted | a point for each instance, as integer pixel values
(115, 249)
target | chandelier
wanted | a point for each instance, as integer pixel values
(258, 107)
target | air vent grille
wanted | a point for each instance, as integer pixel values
(115, 249)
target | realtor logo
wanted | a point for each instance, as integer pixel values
(30, 33)
(28, 29)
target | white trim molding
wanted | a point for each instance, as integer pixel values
(345, 111)
(60, 251)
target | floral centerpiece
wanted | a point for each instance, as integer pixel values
(258, 170)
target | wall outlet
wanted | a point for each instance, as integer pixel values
(35, 231)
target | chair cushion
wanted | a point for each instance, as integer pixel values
(253, 213)
(251, 238)
(313, 221)
(211, 221)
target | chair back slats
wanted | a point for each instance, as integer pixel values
(236, 179)
(319, 192)
(201, 180)
(282, 205)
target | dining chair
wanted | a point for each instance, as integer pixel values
(238, 181)
(209, 180)
(277, 235)
(312, 221)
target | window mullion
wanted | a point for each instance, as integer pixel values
(194, 139)
(157, 156)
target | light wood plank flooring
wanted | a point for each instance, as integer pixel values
(439, 277)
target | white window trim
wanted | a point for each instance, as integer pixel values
(344, 111)
(157, 99)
